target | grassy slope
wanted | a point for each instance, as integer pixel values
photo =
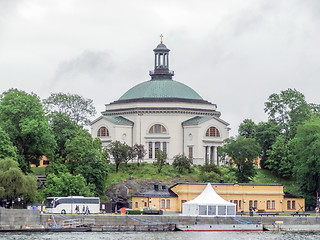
(149, 171)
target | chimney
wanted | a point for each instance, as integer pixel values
(221, 180)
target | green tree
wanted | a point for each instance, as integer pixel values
(243, 151)
(305, 150)
(65, 184)
(266, 134)
(14, 183)
(86, 156)
(161, 160)
(119, 152)
(247, 129)
(78, 108)
(23, 119)
(63, 128)
(182, 163)
(139, 151)
(287, 109)
(6, 147)
(210, 173)
(279, 160)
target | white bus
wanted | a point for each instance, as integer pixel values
(72, 204)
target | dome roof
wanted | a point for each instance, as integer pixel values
(161, 89)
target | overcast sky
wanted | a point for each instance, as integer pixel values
(233, 53)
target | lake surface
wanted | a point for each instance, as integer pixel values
(163, 235)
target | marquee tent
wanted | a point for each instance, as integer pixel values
(209, 203)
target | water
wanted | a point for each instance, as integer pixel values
(163, 235)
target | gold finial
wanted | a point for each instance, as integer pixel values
(161, 36)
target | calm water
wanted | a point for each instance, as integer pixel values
(161, 235)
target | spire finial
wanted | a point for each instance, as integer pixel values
(161, 36)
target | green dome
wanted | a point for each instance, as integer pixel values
(161, 89)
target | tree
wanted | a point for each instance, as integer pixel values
(243, 151)
(6, 147)
(181, 162)
(119, 152)
(63, 128)
(266, 134)
(23, 119)
(287, 109)
(86, 156)
(247, 129)
(65, 184)
(305, 151)
(279, 161)
(14, 183)
(139, 151)
(161, 160)
(75, 106)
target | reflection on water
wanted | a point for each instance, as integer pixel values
(163, 235)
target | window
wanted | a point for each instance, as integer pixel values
(136, 204)
(288, 204)
(164, 147)
(268, 204)
(162, 203)
(255, 204)
(157, 128)
(103, 132)
(168, 203)
(236, 202)
(150, 149)
(156, 148)
(190, 153)
(212, 132)
(239, 204)
(293, 205)
(250, 204)
(273, 204)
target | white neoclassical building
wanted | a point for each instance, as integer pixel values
(164, 114)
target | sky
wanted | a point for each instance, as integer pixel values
(233, 53)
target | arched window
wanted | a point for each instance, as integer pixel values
(103, 132)
(157, 128)
(212, 132)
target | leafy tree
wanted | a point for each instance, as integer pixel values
(279, 161)
(305, 150)
(210, 173)
(119, 152)
(161, 160)
(57, 166)
(14, 183)
(243, 151)
(266, 134)
(63, 129)
(287, 109)
(181, 162)
(65, 184)
(75, 106)
(6, 147)
(23, 119)
(86, 156)
(247, 129)
(139, 151)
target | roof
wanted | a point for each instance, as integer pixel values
(240, 184)
(200, 119)
(118, 120)
(209, 196)
(164, 88)
(114, 119)
(161, 47)
(160, 193)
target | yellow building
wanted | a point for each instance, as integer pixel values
(261, 197)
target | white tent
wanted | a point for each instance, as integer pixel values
(209, 203)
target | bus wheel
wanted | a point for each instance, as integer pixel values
(63, 211)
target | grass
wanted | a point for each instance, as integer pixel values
(265, 176)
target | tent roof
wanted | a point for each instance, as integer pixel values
(209, 196)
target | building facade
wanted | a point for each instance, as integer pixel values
(164, 114)
(260, 197)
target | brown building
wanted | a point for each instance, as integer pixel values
(261, 197)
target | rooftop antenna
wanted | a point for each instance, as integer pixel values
(161, 36)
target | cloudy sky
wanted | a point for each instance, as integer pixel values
(233, 53)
